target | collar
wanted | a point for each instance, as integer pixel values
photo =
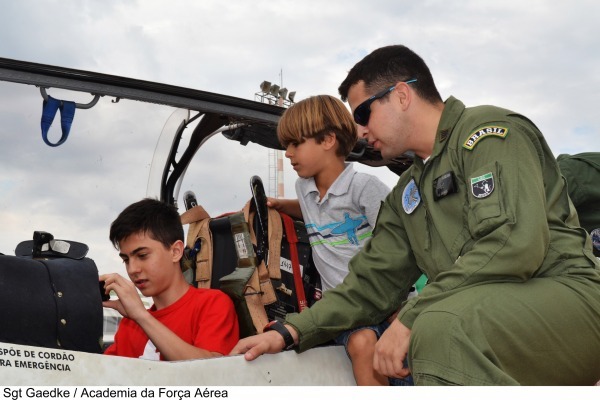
(453, 110)
(177, 304)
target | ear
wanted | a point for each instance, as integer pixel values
(177, 251)
(404, 94)
(329, 141)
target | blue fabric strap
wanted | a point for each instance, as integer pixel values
(67, 113)
(49, 109)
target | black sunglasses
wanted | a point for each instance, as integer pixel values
(363, 111)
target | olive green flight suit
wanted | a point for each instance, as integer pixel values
(514, 290)
(582, 172)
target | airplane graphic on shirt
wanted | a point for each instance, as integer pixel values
(348, 228)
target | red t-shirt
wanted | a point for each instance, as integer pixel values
(205, 318)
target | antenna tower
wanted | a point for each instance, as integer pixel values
(279, 95)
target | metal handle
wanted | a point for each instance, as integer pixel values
(77, 105)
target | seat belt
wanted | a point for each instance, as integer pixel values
(292, 238)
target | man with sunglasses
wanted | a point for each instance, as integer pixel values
(514, 289)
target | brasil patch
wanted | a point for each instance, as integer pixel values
(483, 185)
(486, 131)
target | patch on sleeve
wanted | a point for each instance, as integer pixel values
(479, 134)
(410, 197)
(483, 185)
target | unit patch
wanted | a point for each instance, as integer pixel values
(483, 185)
(479, 134)
(411, 197)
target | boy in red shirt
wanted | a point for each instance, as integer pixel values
(184, 322)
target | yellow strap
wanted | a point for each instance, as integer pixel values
(264, 272)
(275, 234)
(246, 211)
(199, 221)
(200, 231)
(255, 304)
(194, 214)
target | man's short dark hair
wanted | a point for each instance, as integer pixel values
(387, 66)
(158, 220)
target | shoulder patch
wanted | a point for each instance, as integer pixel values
(411, 197)
(481, 133)
(482, 186)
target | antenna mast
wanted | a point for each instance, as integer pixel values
(279, 95)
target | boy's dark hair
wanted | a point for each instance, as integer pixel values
(389, 65)
(316, 117)
(158, 220)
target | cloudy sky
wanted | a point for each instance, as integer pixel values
(536, 57)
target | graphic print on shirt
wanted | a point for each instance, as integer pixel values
(346, 229)
(150, 352)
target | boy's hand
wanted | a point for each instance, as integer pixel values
(129, 304)
(274, 203)
(290, 207)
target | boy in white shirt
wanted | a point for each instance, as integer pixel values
(338, 205)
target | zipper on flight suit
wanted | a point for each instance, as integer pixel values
(424, 205)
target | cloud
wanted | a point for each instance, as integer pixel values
(534, 57)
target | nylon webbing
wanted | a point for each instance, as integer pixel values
(292, 238)
(67, 113)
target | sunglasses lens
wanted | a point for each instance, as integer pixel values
(362, 114)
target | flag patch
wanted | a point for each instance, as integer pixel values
(486, 131)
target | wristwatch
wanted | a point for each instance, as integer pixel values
(283, 331)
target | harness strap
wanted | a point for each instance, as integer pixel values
(292, 238)
(266, 286)
(199, 221)
(200, 231)
(67, 112)
(194, 214)
(255, 290)
(275, 235)
(254, 302)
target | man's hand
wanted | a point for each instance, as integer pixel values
(269, 342)
(391, 350)
(129, 304)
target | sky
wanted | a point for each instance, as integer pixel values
(539, 58)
